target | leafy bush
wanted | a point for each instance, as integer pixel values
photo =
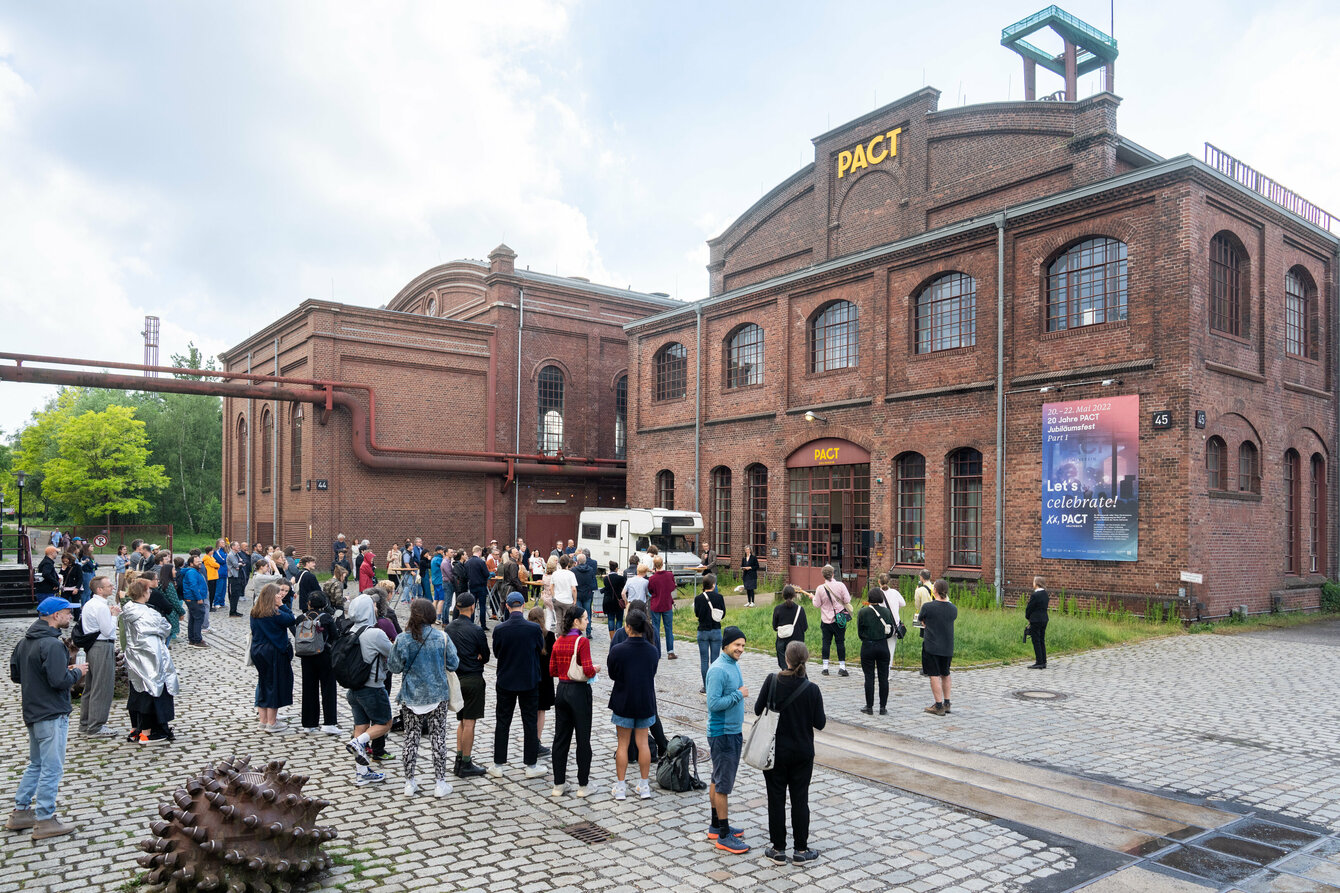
(1330, 597)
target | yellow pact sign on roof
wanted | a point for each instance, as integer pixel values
(866, 154)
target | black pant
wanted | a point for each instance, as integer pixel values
(1039, 633)
(789, 774)
(318, 690)
(482, 607)
(749, 593)
(875, 660)
(502, 727)
(236, 587)
(781, 652)
(572, 713)
(832, 632)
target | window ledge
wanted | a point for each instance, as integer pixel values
(941, 353)
(265, 489)
(963, 573)
(668, 400)
(1229, 336)
(726, 389)
(1238, 495)
(1096, 327)
(295, 487)
(1304, 581)
(1311, 361)
(829, 373)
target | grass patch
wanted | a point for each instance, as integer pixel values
(1233, 625)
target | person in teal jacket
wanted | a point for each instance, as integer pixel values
(726, 692)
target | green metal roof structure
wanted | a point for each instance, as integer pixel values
(1086, 48)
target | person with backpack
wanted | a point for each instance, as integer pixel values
(570, 657)
(422, 657)
(272, 655)
(789, 622)
(612, 602)
(875, 624)
(726, 693)
(360, 658)
(834, 603)
(632, 668)
(800, 713)
(314, 639)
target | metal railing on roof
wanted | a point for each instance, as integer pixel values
(1057, 12)
(1258, 182)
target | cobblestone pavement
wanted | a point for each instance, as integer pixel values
(1204, 715)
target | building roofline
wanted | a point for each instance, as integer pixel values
(609, 291)
(870, 116)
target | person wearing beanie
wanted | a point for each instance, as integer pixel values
(726, 692)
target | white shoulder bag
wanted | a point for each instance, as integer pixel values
(786, 630)
(760, 751)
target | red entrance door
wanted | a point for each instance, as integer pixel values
(542, 531)
(829, 513)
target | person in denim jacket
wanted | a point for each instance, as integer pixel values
(424, 655)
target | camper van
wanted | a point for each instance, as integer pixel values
(614, 534)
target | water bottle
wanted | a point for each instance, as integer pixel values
(80, 657)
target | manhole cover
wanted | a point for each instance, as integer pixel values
(587, 832)
(1038, 694)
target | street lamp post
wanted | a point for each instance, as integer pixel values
(21, 475)
(2, 526)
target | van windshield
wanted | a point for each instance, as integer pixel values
(676, 543)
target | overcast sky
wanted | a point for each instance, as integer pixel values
(215, 163)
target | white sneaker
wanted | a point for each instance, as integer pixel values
(559, 790)
(495, 771)
(411, 787)
(310, 730)
(331, 730)
(536, 771)
(443, 788)
(583, 791)
(109, 732)
(644, 789)
(620, 790)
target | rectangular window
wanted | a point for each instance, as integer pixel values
(965, 509)
(721, 509)
(611, 531)
(911, 530)
(1291, 512)
(758, 509)
(590, 531)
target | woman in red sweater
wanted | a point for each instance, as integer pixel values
(572, 701)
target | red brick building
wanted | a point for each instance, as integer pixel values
(444, 437)
(880, 319)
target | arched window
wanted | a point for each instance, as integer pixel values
(744, 356)
(1249, 468)
(721, 508)
(1316, 539)
(965, 508)
(1292, 482)
(1226, 304)
(946, 313)
(1216, 464)
(757, 482)
(665, 489)
(240, 451)
(1087, 285)
(432, 306)
(621, 418)
(672, 371)
(909, 523)
(550, 394)
(1299, 301)
(833, 337)
(295, 447)
(267, 448)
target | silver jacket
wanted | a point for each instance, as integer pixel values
(148, 660)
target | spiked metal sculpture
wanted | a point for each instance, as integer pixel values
(236, 829)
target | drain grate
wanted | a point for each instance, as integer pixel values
(587, 832)
(1038, 694)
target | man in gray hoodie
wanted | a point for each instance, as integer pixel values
(370, 703)
(42, 666)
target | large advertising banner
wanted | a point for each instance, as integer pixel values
(1090, 479)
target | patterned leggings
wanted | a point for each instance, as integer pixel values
(436, 723)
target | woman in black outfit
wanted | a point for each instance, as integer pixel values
(613, 603)
(801, 707)
(318, 674)
(749, 569)
(789, 612)
(874, 625)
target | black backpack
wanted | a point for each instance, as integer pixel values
(80, 638)
(678, 769)
(351, 671)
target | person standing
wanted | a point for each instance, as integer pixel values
(563, 585)
(424, 656)
(88, 567)
(237, 578)
(793, 755)
(517, 643)
(749, 574)
(41, 665)
(544, 692)
(46, 579)
(709, 558)
(572, 701)
(937, 649)
(1036, 615)
(318, 673)
(210, 562)
(367, 570)
(98, 617)
(122, 563)
(150, 668)
(832, 598)
(874, 625)
(661, 601)
(477, 578)
(709, 607)
(369, 702)
(726, 692)
(439, 585)
(195, 593)
(584, 570)
(789, 622)
(220, 588)
(339, 552)
(472, 649)
(632, 668)
(635, 586)
(71, 577)
(272, 655)
(612, 600)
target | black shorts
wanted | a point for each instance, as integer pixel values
(472, 691)
(935, 664)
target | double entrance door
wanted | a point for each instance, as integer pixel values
(829, 521)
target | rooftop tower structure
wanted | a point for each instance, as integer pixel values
(1085, 49)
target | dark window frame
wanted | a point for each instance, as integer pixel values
(756, 480)
(267, 449)
(1316, 514)
(621, 418)
(1216, 463)
(834, 337)
(1292, 484)
(242, 449)
(909, 534)
(944, 314)
(743, 357)
(550, 390)
(1071, 283)
(722, 505)
(295, 421)
(665, 489)
(670, 367)
(1249, 467)
(1299, 314)
(965, 508)
(1227, 263)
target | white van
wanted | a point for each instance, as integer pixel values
(614, 534)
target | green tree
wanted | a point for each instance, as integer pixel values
(35, 447)
(103, 466)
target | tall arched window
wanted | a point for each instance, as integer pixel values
(757, 481)
(910, 522)
(721, 509)
(241, 448)
(1087, 285)
(671, 365)
(295, 447)
(1227, 308)
(744, 356)
(1216, 464)
(1292, 482)
(1317, 515)
(665, 489)
(1249, 468)
(965, 508)
(549, 389)
(946, 313)
(1299, 313)
(621, 418)
(833, 339)
(267, 448)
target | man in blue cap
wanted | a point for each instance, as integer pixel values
(517, 644)
(41, 665)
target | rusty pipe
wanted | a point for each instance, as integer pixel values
(505, 465)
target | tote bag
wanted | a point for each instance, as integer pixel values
(456, 699)
(760, 750)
